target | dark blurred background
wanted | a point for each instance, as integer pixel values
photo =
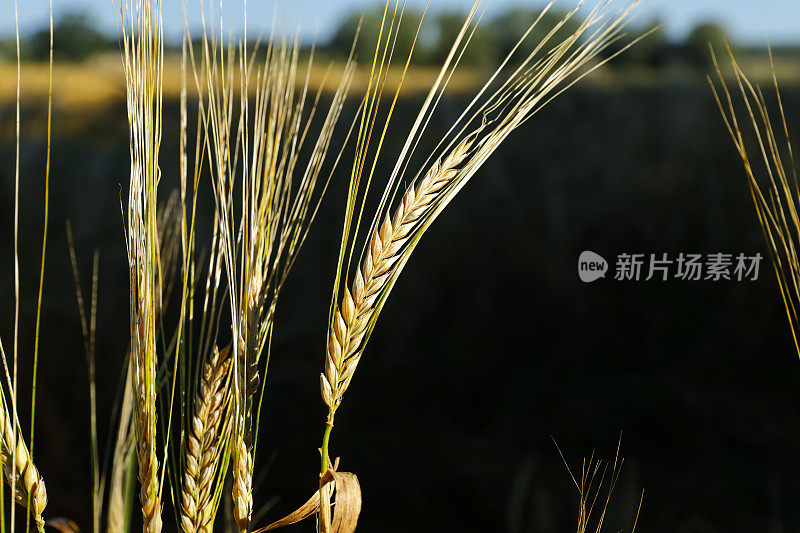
(490, 348)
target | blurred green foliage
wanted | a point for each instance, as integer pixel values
(484, 45)
(75, 37)
(703, 35)
(652, 49)
(512, 25)
(370, 26)
(497, 36)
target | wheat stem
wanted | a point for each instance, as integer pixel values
(326, 437)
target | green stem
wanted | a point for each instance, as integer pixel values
(325, 439)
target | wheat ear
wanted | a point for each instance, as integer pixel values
(143, 65)
(550, 69)
(356, 312)
(204, 443)
(149, 494)
(20, 471)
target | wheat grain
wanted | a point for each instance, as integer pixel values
(203, 444)
(149, 494)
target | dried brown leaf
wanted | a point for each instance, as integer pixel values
(346, 504)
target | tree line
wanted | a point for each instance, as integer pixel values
(76, 38)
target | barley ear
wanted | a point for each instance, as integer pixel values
(19, 470)
(143, 66)
(204, 443)
(361, 290)
(360, 303)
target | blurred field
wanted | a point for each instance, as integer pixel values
(99, 81)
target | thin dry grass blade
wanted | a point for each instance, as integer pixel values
(64, 525)
(88, 327)
(27, 485)
(595, 486)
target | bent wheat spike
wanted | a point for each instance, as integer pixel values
(553, 66)
(19, 470)
(383, 253)
(204, 443)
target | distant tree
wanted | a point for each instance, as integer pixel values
(653, 50)
(512, 25)
(75, 37)
(370, 30)
(483, 49)
(696, 46)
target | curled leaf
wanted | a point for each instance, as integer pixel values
(346, 504)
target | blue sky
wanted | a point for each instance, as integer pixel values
(750, 21)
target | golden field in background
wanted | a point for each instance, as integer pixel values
(99, 81)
